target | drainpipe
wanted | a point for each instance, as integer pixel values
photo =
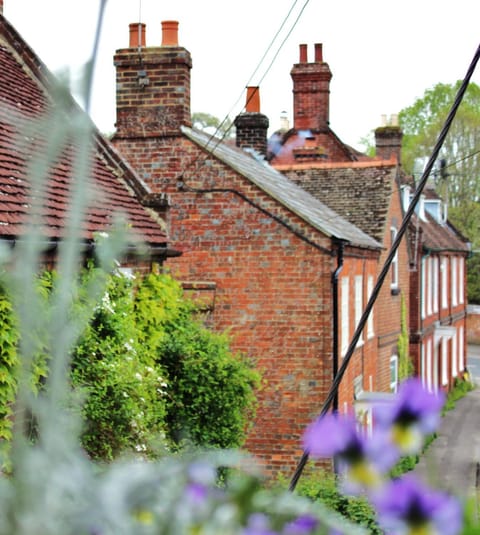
(340, 244)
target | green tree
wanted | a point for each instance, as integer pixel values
(213, 125)
(457, 171)
(459, 179)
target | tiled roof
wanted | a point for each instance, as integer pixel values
(284, 191)
(359, 191)
(440, 236)
(25, 95)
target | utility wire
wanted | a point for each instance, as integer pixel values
(391, 255)
(270, 46)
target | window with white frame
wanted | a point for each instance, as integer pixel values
(461, 282)
(358, 303)
(444, 279)
(394, 266)
(423, 284)
(434, 281)
(454, 280)
(428, 283)
(428, 366)
(393, 373)
(454, 354)
(345, 336)
(461, 354)
(370, 329)
(444, 355)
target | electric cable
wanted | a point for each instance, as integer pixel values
(220, 139)
(391, 255)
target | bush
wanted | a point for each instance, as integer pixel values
(211, 391)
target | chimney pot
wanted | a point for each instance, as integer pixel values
(253, 100)
(137, 34)
(318, 53)
(169, 33)
(303, 54)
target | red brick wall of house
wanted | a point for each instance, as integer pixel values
(270, 289)
(361, 371)
(473, 325)
(389, 302)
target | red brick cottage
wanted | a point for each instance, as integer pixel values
(27, 94)
(262, 253)
(438, 304)
(365, 191)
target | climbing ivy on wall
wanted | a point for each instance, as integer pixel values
(405, 364)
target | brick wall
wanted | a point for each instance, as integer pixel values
(473, 324)
(267, 287)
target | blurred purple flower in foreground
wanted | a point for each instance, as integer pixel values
(363, 459)
(406, 506)
(414, 414)
(303, 525)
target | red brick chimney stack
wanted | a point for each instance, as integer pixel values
(311, 92)
(153, 85)
(388, 139)
(252, 126)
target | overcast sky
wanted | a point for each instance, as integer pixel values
(383, 53)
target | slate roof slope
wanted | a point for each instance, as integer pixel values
(359, 191)
(283, 190)
(25, 94)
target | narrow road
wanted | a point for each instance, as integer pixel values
(452, 460)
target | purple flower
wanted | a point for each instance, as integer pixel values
(414, 413)
(407, 506)
(258, 524)
(363, 460)
(303, 525)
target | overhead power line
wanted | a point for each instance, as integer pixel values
(391, 255)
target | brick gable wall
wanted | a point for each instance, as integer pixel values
(266, 286)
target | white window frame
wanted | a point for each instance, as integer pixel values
(394, 368)
(423, 288)
(358, 289)
(444, 357)
(394, 265)
(428, 283)
(461, 282)
(345, 322)
(454, 280)
(370, 325)
(428, 366)
(455, 354)
(461, 348)
(435, 284)
(444, 281)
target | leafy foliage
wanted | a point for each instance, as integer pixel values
(124, 388)
(8, 364)
(405, 364)
(211, 396)
(148, 373)
(324, 488)
(457, 174)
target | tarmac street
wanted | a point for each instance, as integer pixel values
(452, 461)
